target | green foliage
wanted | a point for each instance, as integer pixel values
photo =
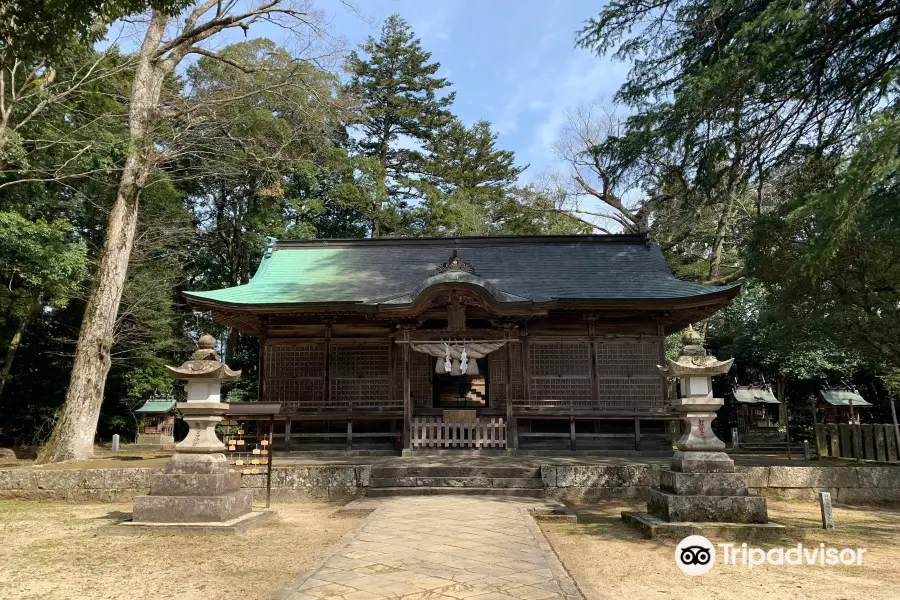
(397, 87)
(775, 125)
(41, 263)
(467, 181)
(45, 29)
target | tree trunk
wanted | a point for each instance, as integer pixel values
(73, 435)
(719, 243)
(11, 353)
(232, 345)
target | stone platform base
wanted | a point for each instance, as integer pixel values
(729, 509)
(153, 440)
(233, 526)
(192, 509)
(654, 528)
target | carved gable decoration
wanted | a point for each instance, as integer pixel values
(455, 264)
(456, 315)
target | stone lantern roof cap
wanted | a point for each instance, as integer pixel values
(694, 361)
(204, 364)
(697, 366)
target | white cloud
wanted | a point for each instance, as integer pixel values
(435, 25)
(586, 77)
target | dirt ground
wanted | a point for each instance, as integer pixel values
(52, 551)
(609, 560)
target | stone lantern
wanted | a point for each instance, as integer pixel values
(701, 488)
(196, 487)
(204, 409)
(698, 448)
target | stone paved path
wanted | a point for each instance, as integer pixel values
(442, 547)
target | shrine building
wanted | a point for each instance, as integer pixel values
(538, 342)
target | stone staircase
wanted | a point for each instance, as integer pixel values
(421, 480)
(766, 448)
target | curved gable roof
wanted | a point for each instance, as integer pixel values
(538, 270)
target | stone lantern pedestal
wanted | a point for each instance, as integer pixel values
(196, 488)
(701, 490)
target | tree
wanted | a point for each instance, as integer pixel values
(753, 94)
(467, 180)
(250, 136)
(38, 29)
(596, 174)
(778, 74)
(852, 286)
(398, 89)
(73, 435)
(742, 88)
(42, 265)
(44, 135)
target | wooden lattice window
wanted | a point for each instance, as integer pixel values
(499, 376)
(360, 375)
(295, 375)
(560, 372)
(627, 377)
(420, 369)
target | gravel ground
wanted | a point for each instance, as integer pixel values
(54, 551)
(609, 560)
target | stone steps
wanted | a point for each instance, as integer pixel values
(376, 492)
(488, 480)
(467, 471)
(765, 448)
(457, 482)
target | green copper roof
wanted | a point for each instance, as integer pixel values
(516, 269)
(157, 405)
(843, 397)
(754, 395)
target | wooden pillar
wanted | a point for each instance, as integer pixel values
(350, 433)
(661, 333)
(572, 443)
(592, 353)
(261, 365)
(526, 375)
(510, 423)
(637, 433)
(407, 401)
(326, 389)
(287, 434)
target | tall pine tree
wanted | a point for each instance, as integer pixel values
(399, 92)
(467, 181)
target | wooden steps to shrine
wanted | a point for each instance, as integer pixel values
(458, 480)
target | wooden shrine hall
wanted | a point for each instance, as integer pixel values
(544, 342)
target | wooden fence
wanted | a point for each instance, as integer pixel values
(433, 432)
(876, 442)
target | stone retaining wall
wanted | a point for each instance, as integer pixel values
(327, 482)
(566, 482)
(847, 485)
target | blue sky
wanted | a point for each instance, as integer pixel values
(512, 62)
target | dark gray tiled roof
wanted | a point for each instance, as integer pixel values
(539, 269)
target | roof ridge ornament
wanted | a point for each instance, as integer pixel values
(455, 264)
(270, 246)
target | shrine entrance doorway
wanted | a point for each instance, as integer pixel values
(461, 391)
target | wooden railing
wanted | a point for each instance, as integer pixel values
(333, 406)
(433, 432)
(649, 407)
